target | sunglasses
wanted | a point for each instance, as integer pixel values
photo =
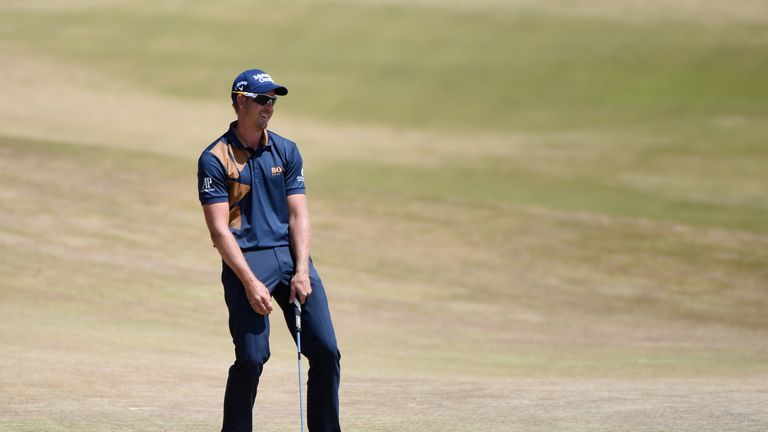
(261, 99)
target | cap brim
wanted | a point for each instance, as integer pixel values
(281, 91)
(268, 87)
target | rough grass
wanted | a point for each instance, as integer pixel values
(582, 245)
(111, 286)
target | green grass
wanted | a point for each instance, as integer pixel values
(678, 105)
(495, 181)
(423, 67)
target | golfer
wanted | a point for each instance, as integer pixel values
(251, 187)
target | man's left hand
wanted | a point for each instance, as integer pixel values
(300, 287)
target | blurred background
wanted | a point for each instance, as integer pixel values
(528, 215)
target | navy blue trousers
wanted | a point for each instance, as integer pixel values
(250, 335)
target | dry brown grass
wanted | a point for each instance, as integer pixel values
(711, 11)
(451, 317)
(625, 10)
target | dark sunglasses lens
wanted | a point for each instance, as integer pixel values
(264, 99)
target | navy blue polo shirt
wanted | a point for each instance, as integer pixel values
(255, 183)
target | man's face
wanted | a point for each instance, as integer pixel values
(253, 113)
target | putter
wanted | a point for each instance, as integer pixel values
(297, 310)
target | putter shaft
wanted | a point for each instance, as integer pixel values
(297, 310)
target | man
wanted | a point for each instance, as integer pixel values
(251, 186)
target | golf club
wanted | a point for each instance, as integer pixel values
(297, 310)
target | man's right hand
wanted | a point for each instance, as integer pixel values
(259, 298)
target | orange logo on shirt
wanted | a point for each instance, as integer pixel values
(277, 170)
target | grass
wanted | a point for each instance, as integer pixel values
(579, 245)
(424, 67)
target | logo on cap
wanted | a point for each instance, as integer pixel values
(262, 78)
(241, 85)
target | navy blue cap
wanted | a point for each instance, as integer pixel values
(256, 81)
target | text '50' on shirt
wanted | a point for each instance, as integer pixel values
(255, 183)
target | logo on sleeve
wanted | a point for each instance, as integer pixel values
(300, 178)
(207, 185)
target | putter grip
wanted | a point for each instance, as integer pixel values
(297, 310)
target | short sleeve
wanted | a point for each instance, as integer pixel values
(294, 172)
(212, 184)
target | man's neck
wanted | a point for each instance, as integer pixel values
(249, 136)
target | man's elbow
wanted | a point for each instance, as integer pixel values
(218, 235)
(299, 221)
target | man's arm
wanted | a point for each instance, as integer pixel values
(217, 219)
(299, 228)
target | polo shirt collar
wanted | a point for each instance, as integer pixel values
(236, 139)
